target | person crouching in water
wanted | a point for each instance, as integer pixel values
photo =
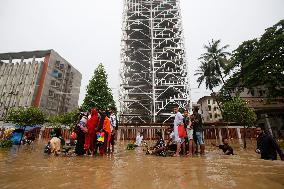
(56, 142)
(227, 149)
(159, 147)
(139, 139)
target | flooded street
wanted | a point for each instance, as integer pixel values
(28, 167)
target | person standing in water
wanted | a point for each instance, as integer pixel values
(178, 122)
(113, 127)
(189, 131)
(198, 131)
(267, 146)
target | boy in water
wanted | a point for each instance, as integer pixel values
(227, 149)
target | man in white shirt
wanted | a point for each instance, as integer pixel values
(178, 121)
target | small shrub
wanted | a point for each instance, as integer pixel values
(6, 143)
(130, 147)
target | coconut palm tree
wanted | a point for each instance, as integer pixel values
(207, 74)
(216, 57)
(213, 63)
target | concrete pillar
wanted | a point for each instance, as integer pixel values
(239, 136)
(220, 135)
(239, 133)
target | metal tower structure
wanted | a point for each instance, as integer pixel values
(154, 73)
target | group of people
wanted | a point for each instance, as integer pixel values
(186, 135)
(188, 127)
(94, 133)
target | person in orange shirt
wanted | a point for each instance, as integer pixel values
(107, 129)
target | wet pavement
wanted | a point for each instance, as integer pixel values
(28, 167)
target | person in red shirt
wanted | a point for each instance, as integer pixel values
(90, 136)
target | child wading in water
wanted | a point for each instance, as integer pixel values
(227, 149)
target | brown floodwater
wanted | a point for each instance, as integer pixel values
(28, 167)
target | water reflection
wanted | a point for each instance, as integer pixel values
(28, 167)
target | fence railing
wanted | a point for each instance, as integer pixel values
(130, 132)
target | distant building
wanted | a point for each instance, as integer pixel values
(209, 109)
(38, 78)
(270, 111)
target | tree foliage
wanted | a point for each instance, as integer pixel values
(207, 74)
(216, 58)
(237, 111)
(213, 64)
(98, 93)
(67, 119)
(260, 62)
(26, 116)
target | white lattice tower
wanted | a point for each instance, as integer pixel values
(154, 74)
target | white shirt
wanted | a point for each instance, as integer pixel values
(178, 120)
(112, 122)
(139, 140)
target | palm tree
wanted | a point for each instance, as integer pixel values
(208, 75)
(216, 57)
(213, 63)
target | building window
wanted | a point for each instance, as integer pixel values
(210, 116)
(61, 66)
(215, 108)
(52, 82)
(209, 108)
(51, 93)
(214, 101)
(216, 115)
(209, 101)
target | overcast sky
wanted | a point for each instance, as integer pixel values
(88, 32)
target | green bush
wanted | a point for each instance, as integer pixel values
(130, 147)
(6, 143)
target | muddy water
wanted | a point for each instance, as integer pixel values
(28, 167)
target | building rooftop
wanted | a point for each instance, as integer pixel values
(25, 54)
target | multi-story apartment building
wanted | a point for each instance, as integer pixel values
(38, 78)
(209, 109)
